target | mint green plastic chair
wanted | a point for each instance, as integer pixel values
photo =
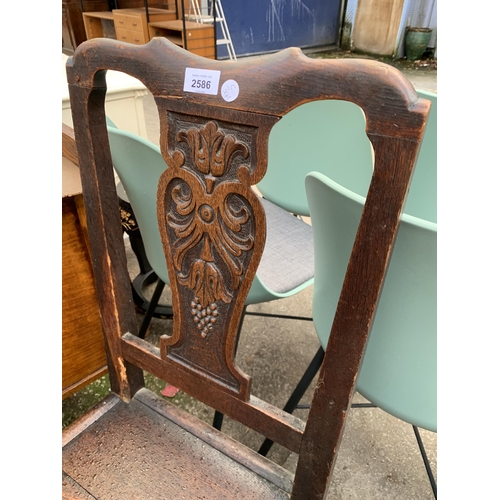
(324, 136)
(346, 154)
(399, 369)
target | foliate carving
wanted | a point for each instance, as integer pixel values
(211, 149)
(211, 233)
(208, 216)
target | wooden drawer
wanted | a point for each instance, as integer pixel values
(131, 24)
(130, 36)
(127, 22)
(196, 42)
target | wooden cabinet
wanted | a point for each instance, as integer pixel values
(125, 25)
(131, 24)
(83, 354)
(196, 37)
(99, 25)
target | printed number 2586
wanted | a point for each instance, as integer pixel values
(200, 84)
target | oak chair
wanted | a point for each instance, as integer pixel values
(212, 226)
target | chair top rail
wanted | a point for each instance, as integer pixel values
(273, 84)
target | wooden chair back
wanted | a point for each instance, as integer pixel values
(215, 120)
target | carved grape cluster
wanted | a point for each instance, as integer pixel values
(204, 317)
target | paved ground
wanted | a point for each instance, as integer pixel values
(379, 458)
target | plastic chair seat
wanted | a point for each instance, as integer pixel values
(287, 263)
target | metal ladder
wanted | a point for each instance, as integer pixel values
(205, 14)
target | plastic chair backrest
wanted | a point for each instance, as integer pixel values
(422, 198)
(399, 368)
(323, 136)
(139, 165)
(329, 137)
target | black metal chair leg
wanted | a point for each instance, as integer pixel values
(137, 245)
(218, 416)
(305, 381)
(151, 308)
(426, 461)
(299, 391)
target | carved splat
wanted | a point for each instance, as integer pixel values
(207, 212)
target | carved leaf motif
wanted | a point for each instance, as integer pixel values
(206, 281)
(211, 149)
(211, 217)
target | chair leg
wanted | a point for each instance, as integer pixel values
(428, 469)
(137, 246)
(151, 308)
(280, 316)
(305, 381)
(299, 391)
(218, 416)
(426, 461)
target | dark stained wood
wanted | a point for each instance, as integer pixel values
(213, 168)
(213, 231)
(71, 490)
(106, 238)
(274, 83)
(80, 425)
(257, 414)
(249, 458)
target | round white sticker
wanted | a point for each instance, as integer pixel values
(230, 90)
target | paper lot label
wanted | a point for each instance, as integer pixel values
(201, 81)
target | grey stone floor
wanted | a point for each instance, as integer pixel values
(379, 457)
